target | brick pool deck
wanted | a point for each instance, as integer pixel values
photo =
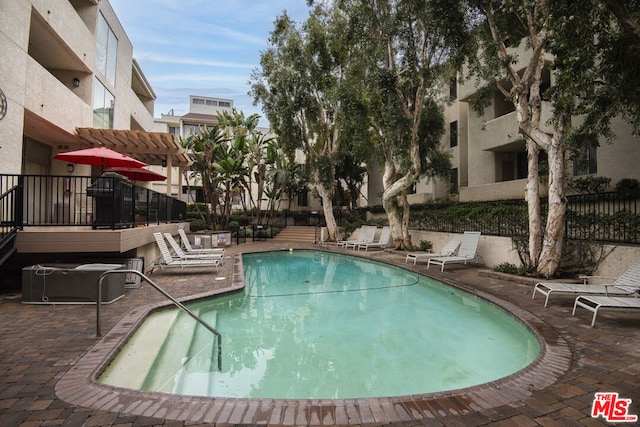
(48, 354)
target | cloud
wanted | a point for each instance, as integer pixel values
(167, 59)
(201, 47)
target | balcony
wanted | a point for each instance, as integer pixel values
(67, 214)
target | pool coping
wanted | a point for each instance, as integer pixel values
(79, 386)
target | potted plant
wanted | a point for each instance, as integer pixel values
(141, 214)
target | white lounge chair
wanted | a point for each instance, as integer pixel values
(383, 240)
(466, 252)
(167, 261)
(365, 234)
(368, 235)
(447, 250)
(180, 254)
(626, 284)
(596, 304)
(191, 250)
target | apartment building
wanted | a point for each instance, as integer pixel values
(488, 155)
(203, 112)
(69, 80)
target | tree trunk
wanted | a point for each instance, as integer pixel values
(406, 210)
(392, 210)
(533, 204)
(326, 195)
(393, 191)
(551, 254)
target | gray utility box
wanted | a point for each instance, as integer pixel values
(71, 283)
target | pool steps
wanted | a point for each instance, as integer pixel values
(172, 356)
(167, 337)
(132, 369)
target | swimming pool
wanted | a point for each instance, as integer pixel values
(320, 325)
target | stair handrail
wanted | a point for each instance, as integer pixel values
(163, 292)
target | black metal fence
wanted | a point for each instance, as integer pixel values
(608, 217)
(106, 201)
(605, 217)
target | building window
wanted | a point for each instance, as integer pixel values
(106, 51)
(198, 101)
(453, 134)
(193, 194)
(585, 161)
(211, 102)
(453, 89)
(303, 198)
(224, 104)
(103, 104)
(191, 130)
(501, 105)
(522, 165)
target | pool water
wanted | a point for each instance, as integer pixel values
(318, 325)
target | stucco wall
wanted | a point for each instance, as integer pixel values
(495, 250)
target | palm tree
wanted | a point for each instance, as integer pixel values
(230, 170)
(205, 148)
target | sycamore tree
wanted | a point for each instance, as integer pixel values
(504, 26)
(411, 47)
(596, 46)
(302, 88)
(350, 177)
(591, 47)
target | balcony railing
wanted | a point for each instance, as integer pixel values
(99, 202)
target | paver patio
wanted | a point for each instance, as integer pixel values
(42, 344)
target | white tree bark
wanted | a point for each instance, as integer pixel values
(545, 251)
(533, 204)
(394, 191)
(327, 208)
(551, 254)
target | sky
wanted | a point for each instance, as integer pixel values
(201, 47)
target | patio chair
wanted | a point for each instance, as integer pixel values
(191, 250)
(447, 250)
(596, 304)
(179, 253)
(383, 240)
(466, 252)
(167, 261)
(626, 284)
(365, 234)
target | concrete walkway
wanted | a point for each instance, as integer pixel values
(40, 345)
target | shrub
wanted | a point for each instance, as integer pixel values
(628, 187)
(508, 268)
(590, 184)
(197, 225)
(426, 245)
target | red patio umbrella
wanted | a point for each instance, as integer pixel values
(99, 156)
(137, 174)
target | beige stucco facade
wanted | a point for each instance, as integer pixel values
(48, 74)
(489, 156)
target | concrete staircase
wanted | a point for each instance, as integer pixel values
(296, 233)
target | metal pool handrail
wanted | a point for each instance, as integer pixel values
(163, 292)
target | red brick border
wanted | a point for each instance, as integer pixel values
(79, 387)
